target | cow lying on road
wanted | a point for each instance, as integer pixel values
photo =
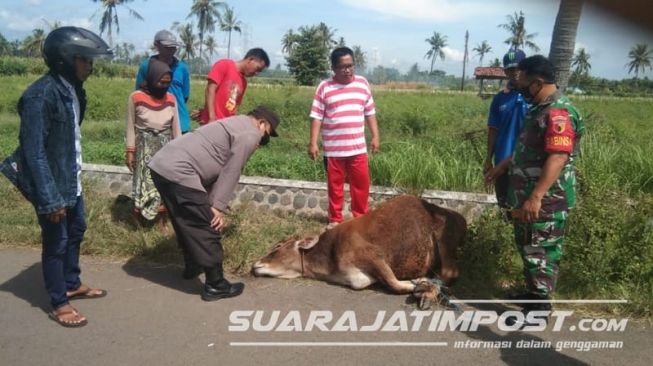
(405, 238)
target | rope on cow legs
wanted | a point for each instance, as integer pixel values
(431, 290)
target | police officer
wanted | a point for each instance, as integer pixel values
(47, 164)
(542, 186)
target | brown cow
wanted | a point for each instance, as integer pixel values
(405, 238)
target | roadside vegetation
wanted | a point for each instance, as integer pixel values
(430, 140)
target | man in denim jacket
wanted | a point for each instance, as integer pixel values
(46, 166)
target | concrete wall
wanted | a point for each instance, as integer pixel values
(306, 198)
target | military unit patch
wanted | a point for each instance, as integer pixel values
(559, 135)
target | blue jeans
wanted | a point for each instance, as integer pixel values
(60, 256)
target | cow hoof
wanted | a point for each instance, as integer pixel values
(427, 293)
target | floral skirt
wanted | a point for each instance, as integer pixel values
(146, 198)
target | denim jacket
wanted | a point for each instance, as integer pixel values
(43, 167)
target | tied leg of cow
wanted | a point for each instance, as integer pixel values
(429, 291)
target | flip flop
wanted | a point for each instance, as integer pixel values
(88, 293)
(68, 324)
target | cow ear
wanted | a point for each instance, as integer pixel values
(308, 243)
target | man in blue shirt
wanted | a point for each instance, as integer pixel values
(166, 44)
(507, 112)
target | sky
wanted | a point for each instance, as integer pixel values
(391, 32)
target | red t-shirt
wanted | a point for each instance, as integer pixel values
(230, 91)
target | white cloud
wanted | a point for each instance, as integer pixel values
(427, 10)
(16, 22)
(34, 2)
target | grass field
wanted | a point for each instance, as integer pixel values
(429, 140)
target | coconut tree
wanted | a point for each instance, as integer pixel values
(465, 59)
(109, 9)
(33, 44)
(563, 40)
(640, 59)
(289, 41)
(207, 14)
(52, 25)
(5, 46)
(519, 38)
(436, 44)
(327, 35)
(211, 46)
(188, 41)
(581, 64)
(481, 50)
(360, 58)
(229, 23)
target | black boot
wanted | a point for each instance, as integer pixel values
(191, 268)
(217, 287)
(527, 308)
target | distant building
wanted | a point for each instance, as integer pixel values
(488, 73)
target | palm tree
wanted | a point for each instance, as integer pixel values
(436, 43)
(33, 44)
(52, 26)
(188, 41)
(128, 50)
(360, 58)
(211, 46)
(581, 64)
(5, 46)
(465, 59)
(289, 41)
(518, 36)
(229, 23)
(563, 40)
(640, 57)
(110, 15)
(481, 50)
(326, 34)
(207, 14)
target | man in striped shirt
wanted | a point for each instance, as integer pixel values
(341, 106)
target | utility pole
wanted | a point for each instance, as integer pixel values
(462, 82)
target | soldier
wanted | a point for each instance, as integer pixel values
(542, 179)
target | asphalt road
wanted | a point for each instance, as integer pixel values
(153, 317)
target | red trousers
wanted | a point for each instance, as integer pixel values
(355, 170)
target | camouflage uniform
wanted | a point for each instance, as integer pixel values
(553, 125)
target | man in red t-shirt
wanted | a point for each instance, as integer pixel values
(226, 85)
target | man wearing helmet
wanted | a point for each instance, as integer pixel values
(47, 164)
(507, 112)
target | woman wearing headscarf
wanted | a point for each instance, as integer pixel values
(152, 121)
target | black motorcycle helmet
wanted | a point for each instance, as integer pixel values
(63, 44)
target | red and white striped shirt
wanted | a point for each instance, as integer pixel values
(342, 108)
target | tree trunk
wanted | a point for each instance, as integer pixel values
(229, 46)
(563, 40)
(462, 82)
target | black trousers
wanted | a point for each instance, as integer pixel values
(191, 215)
(501, 189)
